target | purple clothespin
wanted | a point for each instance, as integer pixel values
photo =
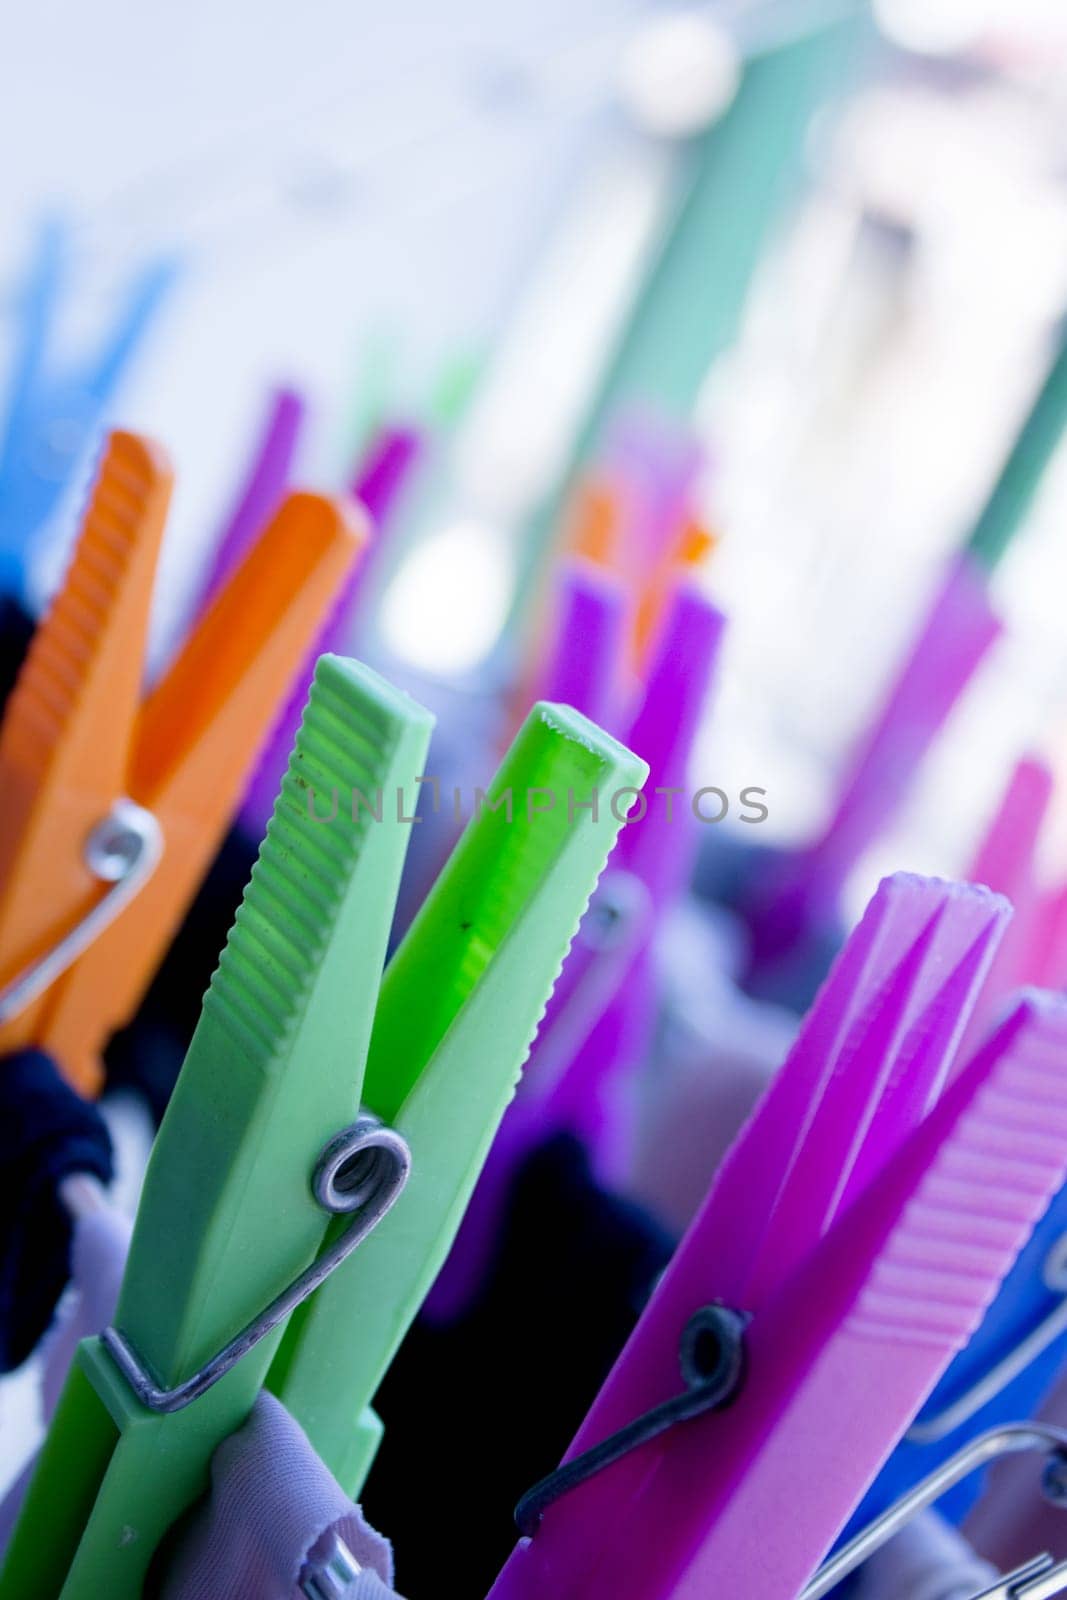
(587, 651)
(268, 476)
(657, 852)
(601, 1019)
(377, 486)
(792, 909)
(383, 474)
(835, 1126)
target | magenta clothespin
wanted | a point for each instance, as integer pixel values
(842, 1357)
(389, 460)
(796, 904)
(1007, 862)
(268, 476)
(866, 1064)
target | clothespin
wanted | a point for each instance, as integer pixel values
(1021, 475)
(383, 474)
(604, 1009)
(268, 475)
(248, 1164)
(664, 539)
(459, 1006)
(97, 786)
(591, 1095)
(53, 415)
(1004, 1371)
(583, 664)
(579, 616)
(657, 855)
(835, 1226)
(791, 909)
(634, 518)
(1007, 861)
(689, 307)
(592, 524)
(391, 459)
(1047, 957)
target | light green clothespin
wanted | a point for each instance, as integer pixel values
(229, 1219)
(459, 1007)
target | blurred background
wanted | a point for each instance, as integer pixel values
(447, 219)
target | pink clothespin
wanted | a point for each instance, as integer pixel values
(1048, 951)
(1006, 861)
(377, 485)
(834, 1226)
(794, 906)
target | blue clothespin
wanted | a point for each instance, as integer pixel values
(55, 415)
(1001, 1375)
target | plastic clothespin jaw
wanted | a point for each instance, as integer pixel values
(247, 1167)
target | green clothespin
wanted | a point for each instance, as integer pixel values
(229, 1219)
(459, 1007)
(1020, 477)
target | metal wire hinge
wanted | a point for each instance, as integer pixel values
(1040, 1579)
(124, 849)
(711, 1354)
(361, 1171)
(1014, 1438)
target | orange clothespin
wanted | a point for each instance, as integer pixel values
(113, 807)
(685, 555)
(597, 529)
(593, 526)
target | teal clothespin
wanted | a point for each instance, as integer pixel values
(736, 180)
(459, 1006)
(1021, 474)
(228, 1218)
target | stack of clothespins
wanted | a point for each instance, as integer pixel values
(542, 1189)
